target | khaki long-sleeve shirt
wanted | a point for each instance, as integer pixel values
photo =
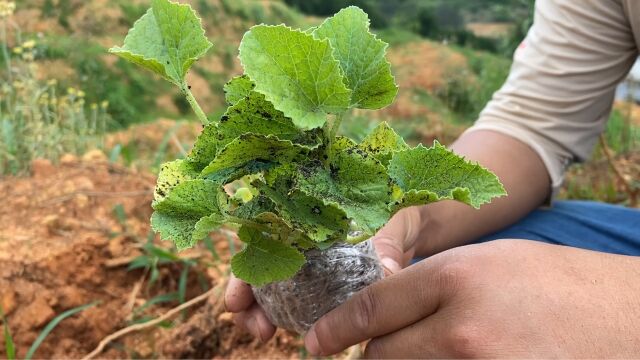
(560, 90)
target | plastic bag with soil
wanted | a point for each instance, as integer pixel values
(328, 278)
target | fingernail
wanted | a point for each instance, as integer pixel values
(391, 265)
(311, 342)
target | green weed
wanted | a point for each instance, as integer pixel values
(10, 348)
(37, 119)
(621, 135)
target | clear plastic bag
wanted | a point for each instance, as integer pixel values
(328, 279)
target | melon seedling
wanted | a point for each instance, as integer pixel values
(314, 197)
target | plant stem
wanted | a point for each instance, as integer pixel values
(249, 223)
(330, 134)
(335, 126)
(5, 52)
(194, 104)
(358, 239)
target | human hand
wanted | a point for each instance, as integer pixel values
(248, 314)
(510, 298)
(394, 244)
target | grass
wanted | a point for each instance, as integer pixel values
(37, 118)
(130, 93)
(396, 36)
(466, 93)
(9, 344)
(621, 135)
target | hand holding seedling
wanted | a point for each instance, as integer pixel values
(308, 189)
(312, 187)
(394, 243)
(492, 300)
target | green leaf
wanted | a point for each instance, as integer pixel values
(297, 73)
(189, 212)
(362, 58)
(263, 211)
(230, 174)
(205, 148)
(206, 225)
(237, 89)
(264, 260)
(167, 40)
(382, 142)
(172, 174)
(356, 182)
(250, 147)
(307, 214)
(256, 206)
(433, 174)
(254, 114)
(9, 345)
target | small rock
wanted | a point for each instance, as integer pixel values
(55, 224)
(8, 301)
(35, 314)
(70, 297)
(94, 155)
(116, 246)
(83, 183)
(52, 223)
(81, 201)
(143, 349)
(68, 159)
(42, 168)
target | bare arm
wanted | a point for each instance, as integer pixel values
(523, 174)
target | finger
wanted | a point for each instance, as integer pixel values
(255, 321)
(238, 296)
(389, 243)
(419, 340)
(386, 306)
(392, 241)
(390, 254)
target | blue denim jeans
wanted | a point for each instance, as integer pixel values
(582, 224)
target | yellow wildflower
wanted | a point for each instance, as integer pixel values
(7, 8)
(29, 44)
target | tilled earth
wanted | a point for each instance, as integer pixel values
(62, 245)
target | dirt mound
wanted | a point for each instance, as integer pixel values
(67, 236)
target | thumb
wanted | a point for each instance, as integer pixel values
(392, 242)
(390, 252)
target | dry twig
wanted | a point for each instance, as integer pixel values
(137, 327)
(628, 188)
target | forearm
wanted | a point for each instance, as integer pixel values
(449, 224)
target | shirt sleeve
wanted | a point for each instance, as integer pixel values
(561, 86)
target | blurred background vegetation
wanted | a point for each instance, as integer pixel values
(449, 56)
